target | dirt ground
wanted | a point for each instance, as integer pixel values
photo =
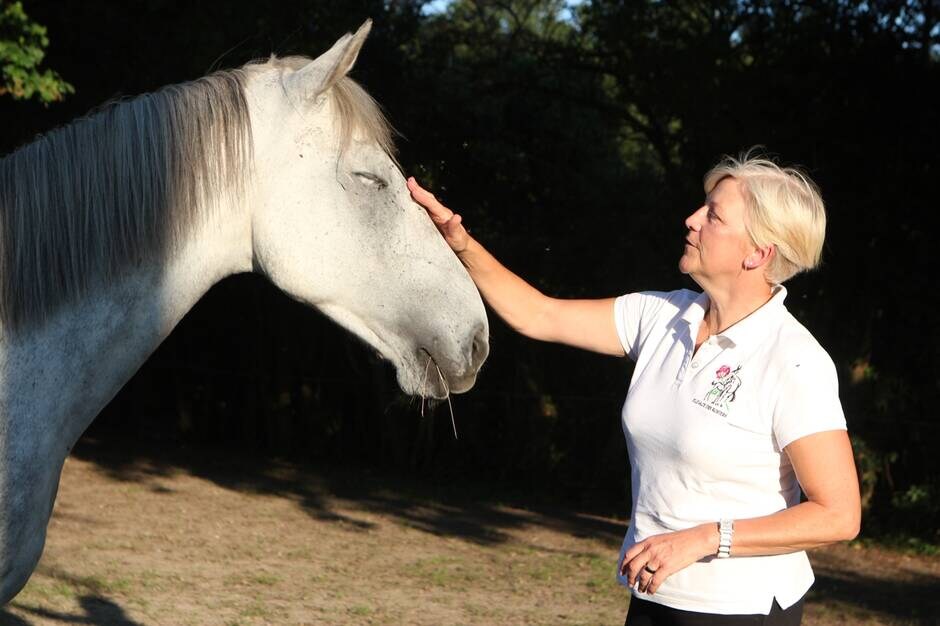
(202, 537)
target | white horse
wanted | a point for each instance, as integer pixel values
(111, 228)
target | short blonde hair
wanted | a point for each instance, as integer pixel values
(783, 208)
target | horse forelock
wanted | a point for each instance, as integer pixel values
(123, 184)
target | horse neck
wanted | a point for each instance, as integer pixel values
(57, 378)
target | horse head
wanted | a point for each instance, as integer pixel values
(333, 224)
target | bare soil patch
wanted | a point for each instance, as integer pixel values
(203, 537)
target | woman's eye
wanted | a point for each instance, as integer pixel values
(371, 180)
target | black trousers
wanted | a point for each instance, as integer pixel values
(646, 613)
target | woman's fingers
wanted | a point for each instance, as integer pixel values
(647, 577)
(653, 574)
(451, 225)
(648, 563)
(629, 567)
(634, 568)
(656, 580)
(439, 213)
(642, 577)
(643, 568)
(448, 222)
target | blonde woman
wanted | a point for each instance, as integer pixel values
(732, 410)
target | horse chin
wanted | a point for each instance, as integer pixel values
(413, 384)
(421, 376)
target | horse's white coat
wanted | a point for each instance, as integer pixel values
(318, 222)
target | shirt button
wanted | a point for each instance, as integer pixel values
(695, 365)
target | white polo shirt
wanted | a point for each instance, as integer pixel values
(706, 434)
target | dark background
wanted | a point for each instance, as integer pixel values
(574, 141)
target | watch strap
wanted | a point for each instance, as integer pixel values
(725, 531)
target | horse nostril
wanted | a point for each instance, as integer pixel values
(481, 349)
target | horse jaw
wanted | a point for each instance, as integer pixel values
(420, 370)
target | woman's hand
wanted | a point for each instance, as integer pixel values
(666, 554)
(448, 222)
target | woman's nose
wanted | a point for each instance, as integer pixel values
(692, 222)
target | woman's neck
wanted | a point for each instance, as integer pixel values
(728, 307)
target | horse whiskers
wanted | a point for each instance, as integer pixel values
(425, 390)
(424, 385)
(450, 406)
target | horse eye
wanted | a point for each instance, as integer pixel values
(371, 180)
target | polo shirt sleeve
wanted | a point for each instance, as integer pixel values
(808, 401)
(636, 315)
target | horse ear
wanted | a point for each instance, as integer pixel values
(323, 72)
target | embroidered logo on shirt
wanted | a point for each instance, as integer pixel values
(723, 390)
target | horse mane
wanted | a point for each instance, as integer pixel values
(127, 183)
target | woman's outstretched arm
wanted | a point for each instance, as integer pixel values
(587, 324)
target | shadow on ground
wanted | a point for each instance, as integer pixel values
(473, 513)
(914, 601)
(469, 512)
(96, 611)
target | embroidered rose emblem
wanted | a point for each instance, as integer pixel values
(723, 371)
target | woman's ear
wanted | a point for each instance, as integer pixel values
(759, 257)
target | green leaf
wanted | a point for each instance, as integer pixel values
(23, 46)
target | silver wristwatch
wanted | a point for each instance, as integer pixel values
(725, 530)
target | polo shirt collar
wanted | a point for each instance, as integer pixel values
(758, 323)
(695, 312)
(749, 329)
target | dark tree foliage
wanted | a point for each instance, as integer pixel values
(573, 140)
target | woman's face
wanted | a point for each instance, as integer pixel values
(717, 242)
